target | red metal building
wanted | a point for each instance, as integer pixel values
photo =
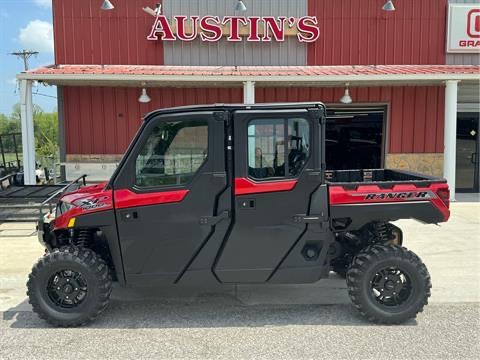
(395, 64)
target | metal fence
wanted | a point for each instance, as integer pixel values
(11, 152)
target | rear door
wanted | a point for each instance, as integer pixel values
(277, 168)
(166, 194)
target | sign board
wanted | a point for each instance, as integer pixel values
(234, 28)
(463, 31)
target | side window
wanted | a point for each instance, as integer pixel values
(173, 153)
(277, 147)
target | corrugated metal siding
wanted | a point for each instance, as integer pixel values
(290, 52)
(463, 59)
(104, 120)
(416, 114)
(84, 34)
(469, 97)
(352, 32)
(359, 32)
(469, 92)
(100, 120)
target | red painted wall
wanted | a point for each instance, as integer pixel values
(84, 34)
(104, 120)
(352, 32)
(101, 120)
(359, 32)
(416, 114)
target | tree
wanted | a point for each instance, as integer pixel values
(46, 134)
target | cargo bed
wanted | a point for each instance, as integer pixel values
(386, 195)
(384, 178)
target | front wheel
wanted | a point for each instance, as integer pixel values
(69, 286)
(388, 284)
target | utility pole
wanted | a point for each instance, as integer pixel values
(25, 55)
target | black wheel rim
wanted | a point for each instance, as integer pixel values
(391, 287)
(67, 289)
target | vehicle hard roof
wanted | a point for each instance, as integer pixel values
(235, 107)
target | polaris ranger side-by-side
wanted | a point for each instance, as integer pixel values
(236, 194)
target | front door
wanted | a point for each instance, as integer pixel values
(277, 168)
(166, 193)
(468, 160)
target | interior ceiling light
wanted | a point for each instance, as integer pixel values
(144, 98)
(240, 6)
(389, 6)
(107, 5)
(346, 98)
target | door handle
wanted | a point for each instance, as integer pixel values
(303, 219)
(214, 220)
(473, 159)
(129, 216)
(246, 204)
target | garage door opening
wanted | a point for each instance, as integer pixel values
(355, 138)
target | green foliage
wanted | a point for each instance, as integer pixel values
(46, 134)
(45, 129)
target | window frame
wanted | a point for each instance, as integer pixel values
(285, 120)
(186, 117)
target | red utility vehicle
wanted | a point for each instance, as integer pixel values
(236, 194)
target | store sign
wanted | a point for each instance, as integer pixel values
(463, 29)
(234, 28)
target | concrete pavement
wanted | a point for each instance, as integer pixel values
(305, 321)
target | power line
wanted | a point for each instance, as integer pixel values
(25, 55)
(45, 95)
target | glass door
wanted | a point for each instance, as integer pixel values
(468, 160)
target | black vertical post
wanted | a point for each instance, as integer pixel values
(16, 150)
(285, 146)
(3, 152)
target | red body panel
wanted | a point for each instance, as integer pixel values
(86, 200)
(95, 198)
(338, 195)
(245, 186)
(128, 199)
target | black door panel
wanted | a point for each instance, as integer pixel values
(160, 240)
(263, 235)
(264, 229)
(164, 238)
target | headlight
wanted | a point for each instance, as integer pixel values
(62, 208)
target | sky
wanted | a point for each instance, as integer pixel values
(25, 24)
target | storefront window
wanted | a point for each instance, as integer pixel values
(173, 154)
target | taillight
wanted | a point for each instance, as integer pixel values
(444, 195)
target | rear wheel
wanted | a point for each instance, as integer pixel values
(379, 233)
(388, 284)
(69, 287)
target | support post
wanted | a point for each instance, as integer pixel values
(61, 133)
(249, 99)
(249, 92)
(450, 134)
(28, 139)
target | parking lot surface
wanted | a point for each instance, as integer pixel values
(271, 322)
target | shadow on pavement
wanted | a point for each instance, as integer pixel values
(137, 309)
